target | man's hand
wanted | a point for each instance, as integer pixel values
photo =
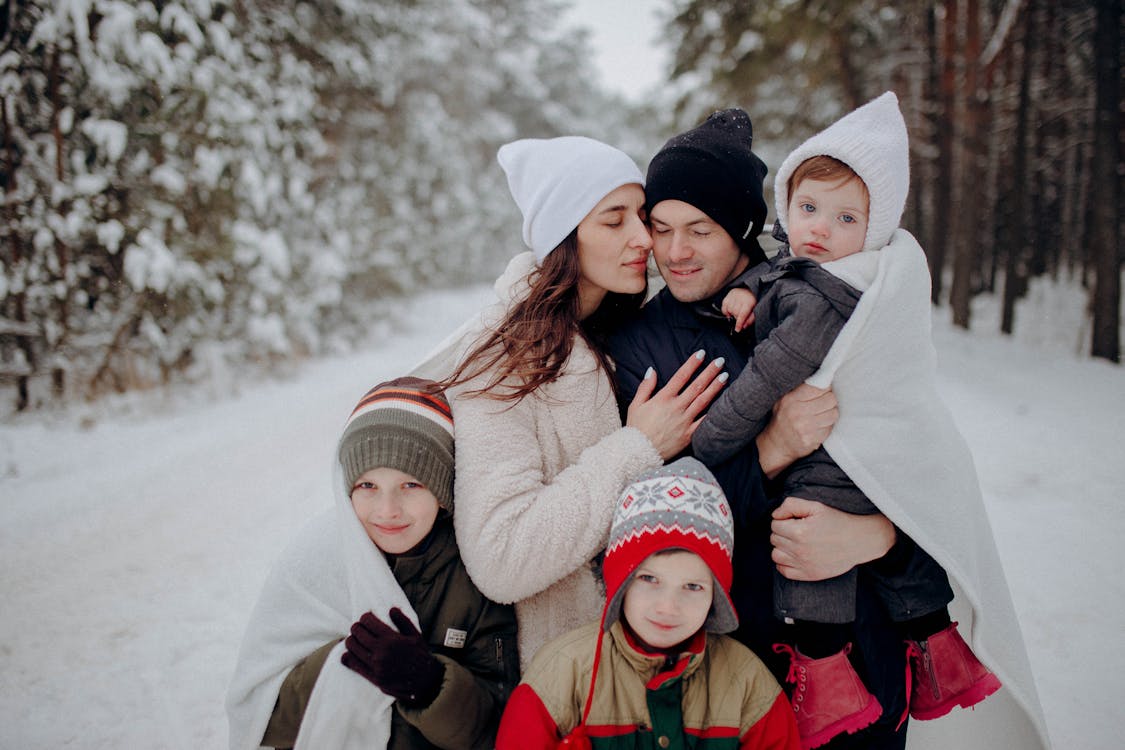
(812, 541)
(801, 420)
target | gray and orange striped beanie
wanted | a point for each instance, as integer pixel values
(404, 424)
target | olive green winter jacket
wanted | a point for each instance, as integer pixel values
(479, 674)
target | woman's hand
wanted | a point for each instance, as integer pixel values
(802, 419)
(812, 542)
(669, 417)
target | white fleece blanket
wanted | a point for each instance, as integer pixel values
(898, 442)
(511, 285)
(323, 582)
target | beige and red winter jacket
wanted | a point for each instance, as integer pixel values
(718, 694)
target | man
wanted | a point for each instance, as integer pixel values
(706, 209)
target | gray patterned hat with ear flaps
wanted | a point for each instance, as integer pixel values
(678, 506)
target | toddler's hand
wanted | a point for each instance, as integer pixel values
(739, 304)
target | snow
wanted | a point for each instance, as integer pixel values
(135, 533)
(110, 233)
(169, 178)
(109, 136)
(150, 263)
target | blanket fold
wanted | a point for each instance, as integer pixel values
(326, 578)
(898, 442)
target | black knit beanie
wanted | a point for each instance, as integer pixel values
(712, 168)
(402, 424)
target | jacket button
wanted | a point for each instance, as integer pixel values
(664, 741)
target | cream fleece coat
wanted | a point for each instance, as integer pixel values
(897, 441)
(537, 480)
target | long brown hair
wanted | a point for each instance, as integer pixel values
(529, 347)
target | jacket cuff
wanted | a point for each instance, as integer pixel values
(637, 444)
(462, 697)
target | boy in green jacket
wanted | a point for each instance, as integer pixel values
(444, 653)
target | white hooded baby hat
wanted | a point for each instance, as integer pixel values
(872, 140)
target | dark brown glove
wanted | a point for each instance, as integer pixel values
(398, 662)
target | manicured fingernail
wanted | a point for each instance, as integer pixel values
(649, 373)
(699, 354)
(719, 362)
(723, 378)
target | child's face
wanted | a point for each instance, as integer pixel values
(396, 510)
(827, 219)
(668, 598)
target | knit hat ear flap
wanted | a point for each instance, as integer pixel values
(678, 506)
(403, 424)
(873, 141)
(556, 182)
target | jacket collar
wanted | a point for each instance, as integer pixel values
(657, 669)
(423, 562)
(702, 321)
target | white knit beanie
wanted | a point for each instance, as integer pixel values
(556, 182)
(872, 140)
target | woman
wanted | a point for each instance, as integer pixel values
(541, 451)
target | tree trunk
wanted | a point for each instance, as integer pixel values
(967, 250)
(1074, 189)
(1004, 115)
(18, 311)
(1107, 157)
(923, 170)
(944, 120)
(1046, 242)
(1015, 271)
(62, 252)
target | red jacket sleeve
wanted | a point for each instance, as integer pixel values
(526, 723)
(777, 730)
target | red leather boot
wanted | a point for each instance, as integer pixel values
(828, 696)
(945, 673)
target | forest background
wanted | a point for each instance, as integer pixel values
(196, 185)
